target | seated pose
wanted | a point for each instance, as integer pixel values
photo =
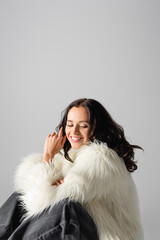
(87, 163)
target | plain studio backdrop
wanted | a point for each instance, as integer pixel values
(55, 51)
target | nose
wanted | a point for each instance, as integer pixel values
(75, 129)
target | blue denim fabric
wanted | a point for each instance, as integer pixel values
(67, 220)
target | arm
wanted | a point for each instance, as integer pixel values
(35, 180)
(92, 175)
(33, 163)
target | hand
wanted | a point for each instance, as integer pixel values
(53, 144)
(59, 182)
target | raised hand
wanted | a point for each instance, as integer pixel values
(53, 144)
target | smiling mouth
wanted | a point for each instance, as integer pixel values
(75, 139)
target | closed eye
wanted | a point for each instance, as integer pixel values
(84, 126)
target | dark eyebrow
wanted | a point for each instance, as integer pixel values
(79, 121)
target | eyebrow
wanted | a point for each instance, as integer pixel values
(79, 121)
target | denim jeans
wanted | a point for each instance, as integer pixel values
(67, 220)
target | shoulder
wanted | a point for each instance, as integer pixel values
(97, 159)
(99, 151)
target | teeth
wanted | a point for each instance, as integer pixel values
(75, 138)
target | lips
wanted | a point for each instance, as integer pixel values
(75, 139)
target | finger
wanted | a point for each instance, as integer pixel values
(58, 183)
(61, 181)
(60, 134)
(49, 135)
(54, 134)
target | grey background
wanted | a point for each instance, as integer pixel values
(53, 52)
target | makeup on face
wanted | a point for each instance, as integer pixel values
(77, 127)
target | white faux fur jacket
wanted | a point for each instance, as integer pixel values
(98, 179)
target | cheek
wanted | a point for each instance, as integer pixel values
(87, 134)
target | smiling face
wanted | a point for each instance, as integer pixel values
(77, 127)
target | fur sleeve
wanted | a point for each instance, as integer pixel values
(95, 173)
(34, 180)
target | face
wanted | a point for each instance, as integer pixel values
(77, 127)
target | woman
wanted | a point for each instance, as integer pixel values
(94, 169)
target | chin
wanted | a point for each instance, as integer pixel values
(76, 146)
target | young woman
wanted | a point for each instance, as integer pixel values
(89, 162)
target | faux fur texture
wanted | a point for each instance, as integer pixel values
(98, 179)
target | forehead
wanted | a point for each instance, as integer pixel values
(78, 114)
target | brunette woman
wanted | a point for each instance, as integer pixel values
(88, 162)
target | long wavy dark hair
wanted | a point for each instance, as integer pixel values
(104, 129)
